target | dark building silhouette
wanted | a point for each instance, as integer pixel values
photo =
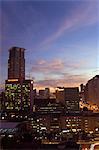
(16, 63)
(69, 96)
(91, 91)
(72, 98)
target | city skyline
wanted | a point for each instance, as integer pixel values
(60, 38)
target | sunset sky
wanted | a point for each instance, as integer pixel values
(61, 39)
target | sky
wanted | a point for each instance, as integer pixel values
(61, 39)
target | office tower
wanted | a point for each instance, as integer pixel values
(18, 91)
(71, 96)
(91, 90)
(60, 95)
(44, 94)
(47, 92)
(16, 63)
(19, 96)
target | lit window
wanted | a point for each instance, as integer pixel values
(55, 119)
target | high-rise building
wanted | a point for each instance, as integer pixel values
(91, 91)
(16, 63)
(18, 91)
(69, 97)
(19, 96)
(72, 98)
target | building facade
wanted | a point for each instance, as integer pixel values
(16, 63)
(69, 97)
(91, 91)
(90, 122)
(72, 98)
(18, 91)
(19, 96)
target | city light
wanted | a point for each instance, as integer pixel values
(49, 87)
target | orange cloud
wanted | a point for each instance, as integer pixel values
(68, 80)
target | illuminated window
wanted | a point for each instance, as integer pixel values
(55, 119)
(86, 120)
(68, 125)
(73, 125)
(74, 130)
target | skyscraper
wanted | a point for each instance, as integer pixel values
(18, 91)
(16, 64)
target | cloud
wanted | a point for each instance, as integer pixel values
(57, 72)
(68, 80)
(56, 66)
(79, 17)
(44, 66)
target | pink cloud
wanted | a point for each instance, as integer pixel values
(55, 73)
(56, 66)
(44, 66)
